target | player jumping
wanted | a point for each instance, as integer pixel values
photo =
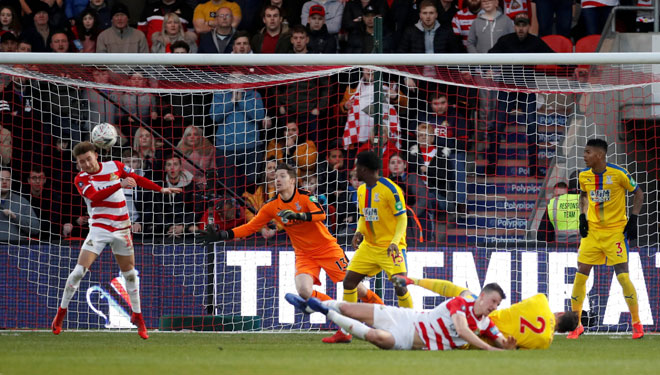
(109, 224)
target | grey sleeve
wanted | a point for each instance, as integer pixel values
(28, 221)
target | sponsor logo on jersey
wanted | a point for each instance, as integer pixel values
(113, 177)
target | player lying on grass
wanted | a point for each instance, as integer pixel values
(530, 321)
(101, 185)
(451, 325)
(302, 218)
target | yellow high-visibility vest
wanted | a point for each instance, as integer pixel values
(564, 213)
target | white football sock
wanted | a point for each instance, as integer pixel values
(332, 304)
(350, 325)
(72, 283)
(133, 289)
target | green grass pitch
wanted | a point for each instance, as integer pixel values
(299, 353)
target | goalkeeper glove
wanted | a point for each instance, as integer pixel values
(631, 228)
(211, 235)
(584, 226)
(287, 215)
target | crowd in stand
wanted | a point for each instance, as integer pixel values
(426, 130)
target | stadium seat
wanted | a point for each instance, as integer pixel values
(588, 43)
(558, 43)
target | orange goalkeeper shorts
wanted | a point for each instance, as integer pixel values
(333, 261)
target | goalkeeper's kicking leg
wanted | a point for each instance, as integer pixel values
(85, 260)
(442, 287)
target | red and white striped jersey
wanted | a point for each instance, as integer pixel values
(437, 329)
(109, 213)
(514, 7)
(462, 22)
(645, 16)
(598, 3)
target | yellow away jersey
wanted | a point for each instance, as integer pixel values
(607, 196)
(530, 321)
(379, 205)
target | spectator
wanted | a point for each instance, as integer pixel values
(595, 13)
(155, 15)
(103, 10)
(554, 12)
(451, 133)
(8, 42)
(56, 15)
(144, 145)
(222, 39)
(399, 14)
(560, 222)
(121, 38)
(347, 205)
(45, 204)
(320, 41)
(334, 10)
(514, 108)
(354, 11)
(389, 147)
(199, 150)
(237, 115)
(173, 30)
(73, 9)
(38, 34)
(360, 100)
(101, 108)
(274, 37)
(139, 104)
(225, 213)
(512, 8)
(17, 219)
(332, 178)
(24, 46)
(59, 42)
(6, 148)
(293, 150)
(414, 188)
(361, 39)
(135, 199)
(10, 21)
(488, 27)
(242, 43)
(299, 39)
(174, 215)
(446, 12)
(427, 35)
(86, 31)
(462, 21)
(180, 46)
(205, 17)
(644, 20)
(263, 191)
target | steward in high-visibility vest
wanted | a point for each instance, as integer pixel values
(564, 214)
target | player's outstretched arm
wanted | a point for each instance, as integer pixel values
(508, 343)
(461, 324)
(171, 190)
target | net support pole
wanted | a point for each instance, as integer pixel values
(379, 285)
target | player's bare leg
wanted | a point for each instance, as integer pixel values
(630, 296)
(352, 282)
(578, 295)
(85, 260)
(127, 267)
(305, 287)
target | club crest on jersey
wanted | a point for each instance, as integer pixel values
(398, 206)
(376, 197)
(80, 184)
(298, 206)
(608, 180)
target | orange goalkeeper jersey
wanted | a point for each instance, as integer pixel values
(307, 236)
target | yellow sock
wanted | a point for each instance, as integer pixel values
(405, 300)
(630, 295)
(350, 295)
(442, 287)
(579, 292)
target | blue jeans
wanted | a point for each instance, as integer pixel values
(550, 10)
(595, 18)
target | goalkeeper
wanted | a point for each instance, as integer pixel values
(302, 218)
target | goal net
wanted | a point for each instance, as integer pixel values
(479, 151)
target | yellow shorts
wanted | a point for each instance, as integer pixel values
(369, 260)
(601, 245)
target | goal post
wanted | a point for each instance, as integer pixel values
(479, 144)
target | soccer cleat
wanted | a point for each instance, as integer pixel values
(316, 305)
(638, 331)
(400, 281)
(298, 302)
(338, 338)
(576, 333)
(139, 322)
(56, 326)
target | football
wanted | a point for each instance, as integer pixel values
(104, 136)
